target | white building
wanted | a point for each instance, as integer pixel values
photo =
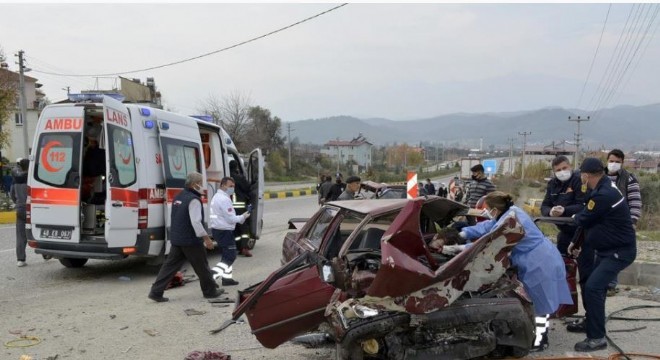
(14, 124)
(357, 150)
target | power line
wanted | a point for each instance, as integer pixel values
(609, 63)
(202, 55)
(618, 82)
(594, 59)
(623, 56)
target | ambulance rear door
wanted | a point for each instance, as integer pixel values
(55, 175)
(255, 172)
(180, 146)
(121, 206)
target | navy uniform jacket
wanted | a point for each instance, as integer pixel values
(567, 194)
(606, 219)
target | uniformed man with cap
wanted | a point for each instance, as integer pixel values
(610, 235)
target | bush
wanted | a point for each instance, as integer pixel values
(650, 188)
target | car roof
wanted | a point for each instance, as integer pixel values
(438, 206)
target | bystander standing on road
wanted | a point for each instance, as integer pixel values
(442, 190)
(609, 234)
(337, 188)
(478, 187)
(188, 238)
(352, 188)
(324, 189)
(627, 183)
(563, 198)
(429, 187)
(223, 220)
(18, 195)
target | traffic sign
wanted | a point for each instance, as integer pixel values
(490, 166)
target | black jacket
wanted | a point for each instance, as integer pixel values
(564, 193)
(606, 219)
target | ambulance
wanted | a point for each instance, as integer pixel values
(103, 175)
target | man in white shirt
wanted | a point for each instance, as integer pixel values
(223, 220)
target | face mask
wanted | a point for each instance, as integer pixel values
(230, 191)
(563, 175)
(198, 188)
(474, 177)
(613, 167)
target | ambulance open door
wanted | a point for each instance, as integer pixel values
(255, 171)
(121, 205)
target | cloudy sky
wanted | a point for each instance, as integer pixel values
(396, 61)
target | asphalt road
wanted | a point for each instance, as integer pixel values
(101, 311)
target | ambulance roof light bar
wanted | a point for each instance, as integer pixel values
(94, 97)
(207, 118)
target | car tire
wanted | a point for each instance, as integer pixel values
(353, 352)
(73, 262)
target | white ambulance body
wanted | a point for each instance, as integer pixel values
(103, 176)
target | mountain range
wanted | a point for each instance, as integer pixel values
(626, 127)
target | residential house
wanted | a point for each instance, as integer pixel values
(356, 151)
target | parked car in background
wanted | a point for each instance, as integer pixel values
(362, 272)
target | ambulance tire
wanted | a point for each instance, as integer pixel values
(250, 243)
(73, 262)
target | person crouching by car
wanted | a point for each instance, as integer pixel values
(223, 220)
(352, 188)
(540, 266)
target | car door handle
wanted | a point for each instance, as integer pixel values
(118, 204)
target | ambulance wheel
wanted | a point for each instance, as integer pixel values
(250, 243)
(73, 262)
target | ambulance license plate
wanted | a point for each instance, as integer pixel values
(56, 234)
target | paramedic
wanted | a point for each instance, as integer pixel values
(223, 220)
(540, 266)
(240, 199)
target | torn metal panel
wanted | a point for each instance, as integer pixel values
(406, 284)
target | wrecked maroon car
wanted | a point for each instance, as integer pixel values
(362, 272)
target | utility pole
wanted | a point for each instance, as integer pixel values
(524, 135)
(578, 136)
(288, 126)
(68, 90)
(510, 140)
(23, 101)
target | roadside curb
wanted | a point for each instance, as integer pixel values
(641, 274)
(285, 194)
(8, 217)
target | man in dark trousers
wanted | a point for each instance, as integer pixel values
(563, 198)
(241, 198)
(18, 195)
(611, 236)
(188, 238)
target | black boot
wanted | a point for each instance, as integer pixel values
(543, 345)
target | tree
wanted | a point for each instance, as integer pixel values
(232, 112)
(7, 101)
(264, 130)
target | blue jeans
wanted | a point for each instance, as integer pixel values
(606, 268)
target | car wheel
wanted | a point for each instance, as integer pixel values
(353, 352)
(73, 262)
